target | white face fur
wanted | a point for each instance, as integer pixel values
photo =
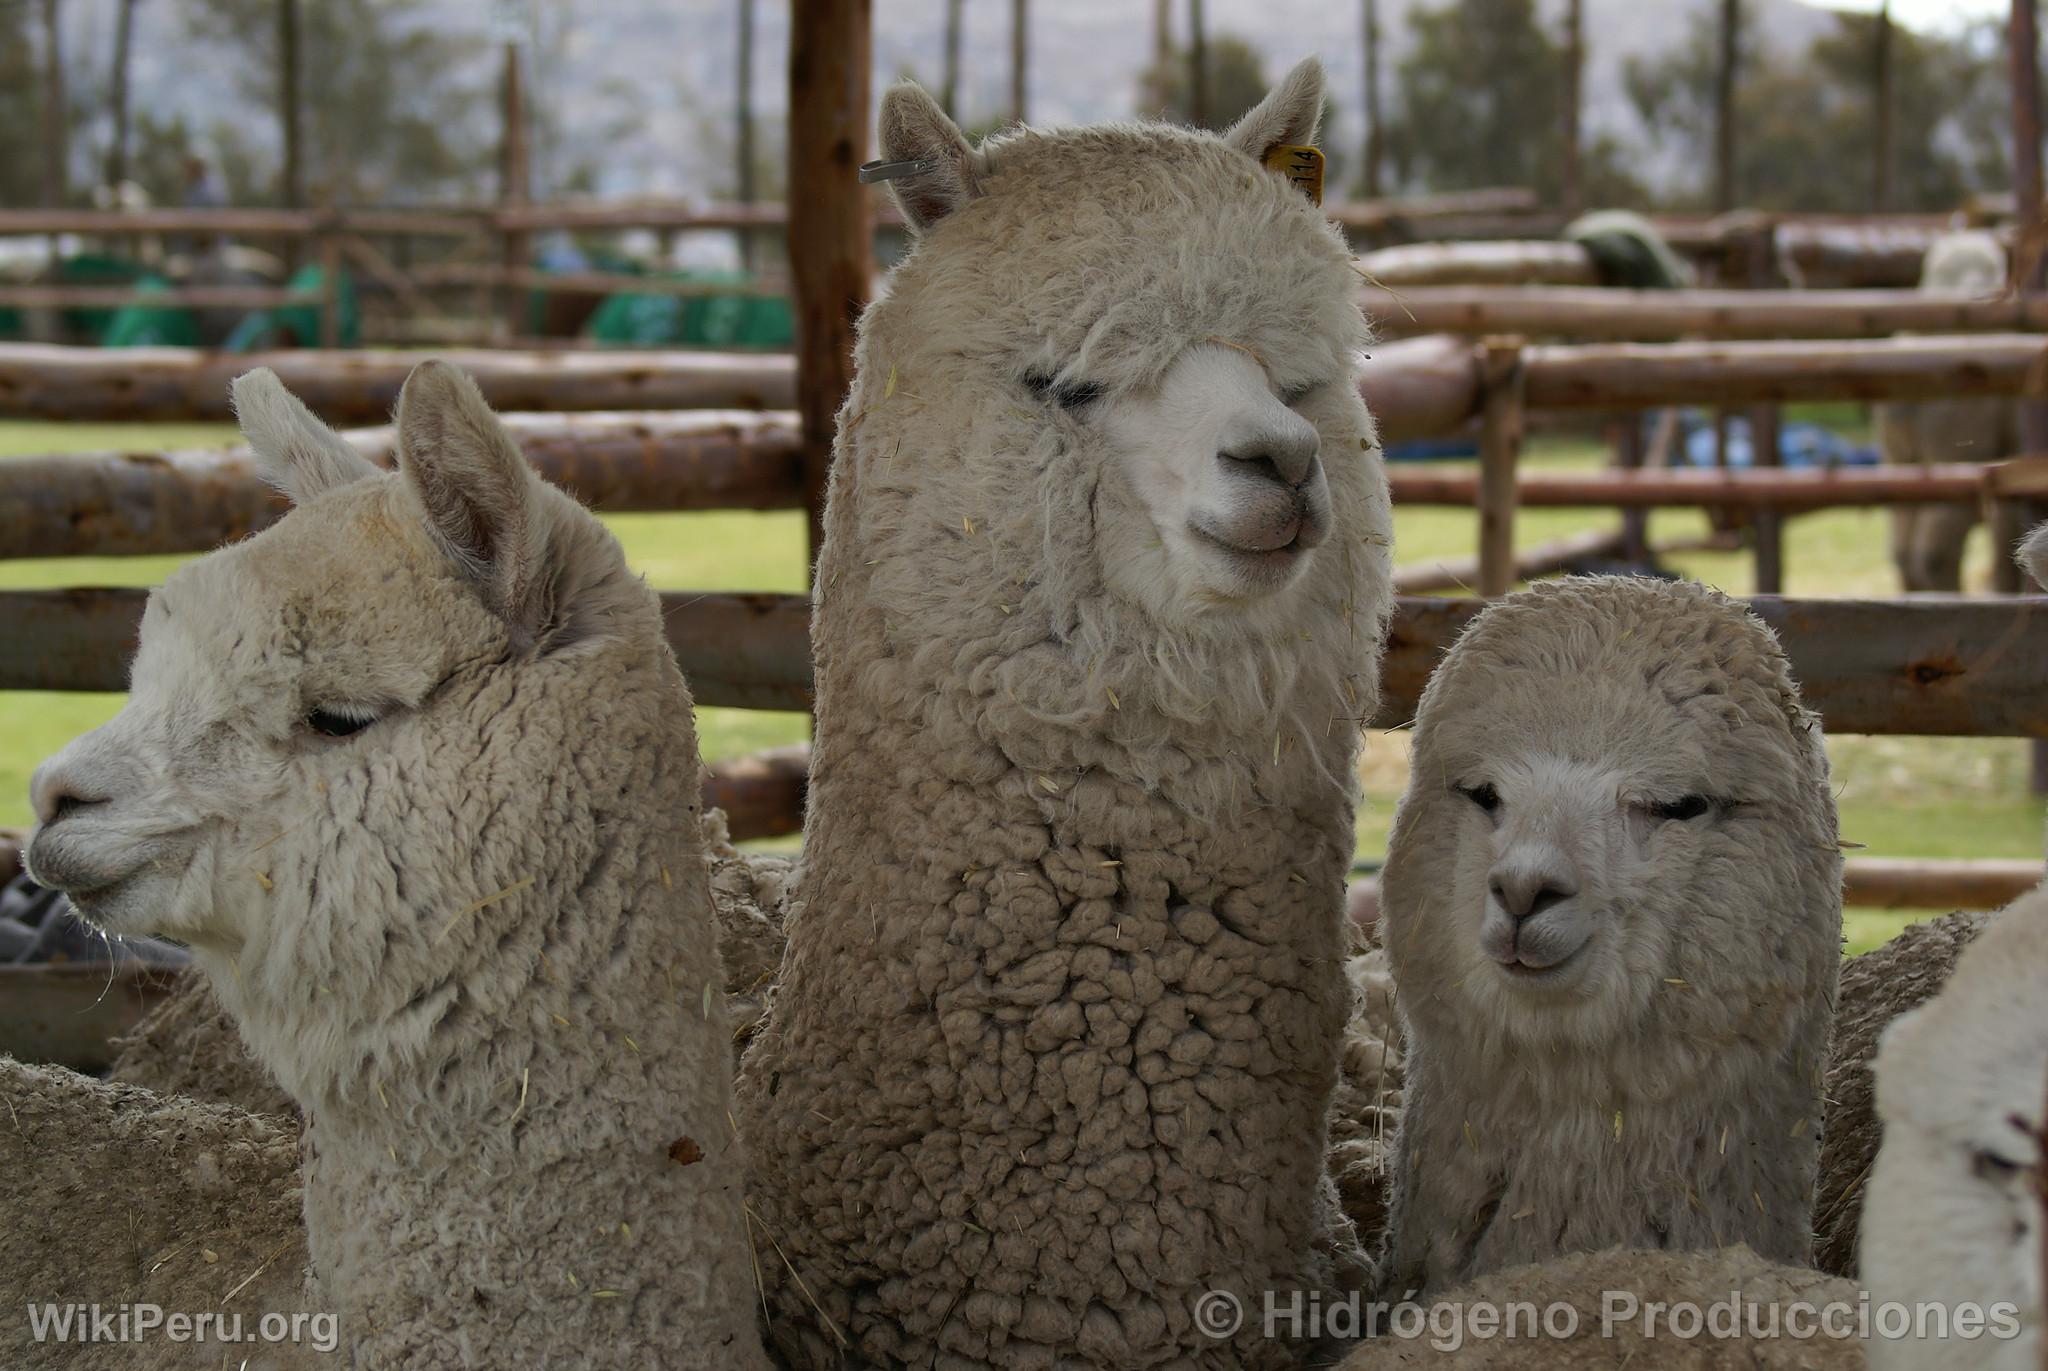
(1552, 853)
(1229, 473)
(276, 672)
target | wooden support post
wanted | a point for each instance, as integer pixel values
(743, 119)
(1500, 451)
(330, 290)
(1724, 106)
(1574, 76)
(1370, 181)
(1882, 94)
(513, 186)
(949, 69)
(116, 169)
(292, 179)
(54, 116)
(1020, 58)
(1767, 526)
(1198, 66)
(830, 247)
(1628, 455)
(2024, 48)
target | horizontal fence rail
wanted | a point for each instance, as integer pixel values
(115, 504)
(1930, 666)
(1600, 313)
(101, 384)
(1416, 387)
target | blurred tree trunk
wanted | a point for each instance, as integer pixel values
(1374, 143)
(54, 115)
(117, 94)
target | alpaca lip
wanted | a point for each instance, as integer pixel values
(1257, 563)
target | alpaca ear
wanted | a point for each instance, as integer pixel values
(296, 453)
(1286, 117)
(479, 497)
(2033, 555)
(914, 129)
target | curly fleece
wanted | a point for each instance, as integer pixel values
(1065, 988)
(1673, 1099)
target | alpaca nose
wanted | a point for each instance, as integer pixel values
(1525, 892)
(56, 790)
(1285, 457)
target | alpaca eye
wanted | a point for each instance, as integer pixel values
(1989, 1166)
(340, 721)
(1294, 395)
(1683, 808)
(1485, 796)
(1068, 395)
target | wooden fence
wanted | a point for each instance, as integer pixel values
(1919, 666)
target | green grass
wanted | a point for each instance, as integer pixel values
(1905, 797)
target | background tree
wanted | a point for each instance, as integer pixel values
(1806, 124)
(1478, 101)
(395, 107)
(20, 120)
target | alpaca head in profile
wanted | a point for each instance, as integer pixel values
(1610, 778)
(289, 764)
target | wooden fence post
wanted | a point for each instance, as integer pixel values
(513, 190)
(1500, 451)
(830, 244)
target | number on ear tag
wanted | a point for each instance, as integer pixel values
(1301, 165)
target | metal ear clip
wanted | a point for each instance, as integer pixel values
(871, 172)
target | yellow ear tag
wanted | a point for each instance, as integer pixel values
(1301, 165)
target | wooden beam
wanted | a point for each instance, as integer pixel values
(1929, 665)
(1574, 77)
(116, 166)
(1375, 138)
(173, 297)
(830, 244)
(762, 794)
(744, 651)
(1501, 424)
(1931, 883)
(1724, 106)
(1600, 313)
(290, 105)
(54, 116)
(360, 386)
(1786, 491)
(1459, 573)
(1020, 60)
(124, 504)
(1646, 376)
(1396, 270)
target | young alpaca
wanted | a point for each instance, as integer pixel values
(1613, 906)
(414, 774)
(1098, 611)
(1954, 1209)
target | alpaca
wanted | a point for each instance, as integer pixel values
(1099, 605)
(1613, 910)
(1876, 989)
(1927, 540)
(1603, 1311)
(413, 773)
(118, 1198)
(1954, 1215)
